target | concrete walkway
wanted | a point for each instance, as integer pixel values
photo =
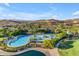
(47, 52)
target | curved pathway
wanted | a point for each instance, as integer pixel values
(47, 52)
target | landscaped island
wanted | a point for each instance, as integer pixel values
(17, 36)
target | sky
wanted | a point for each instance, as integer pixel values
(37, 11)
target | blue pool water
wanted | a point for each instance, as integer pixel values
(19, 41)
(32, 53)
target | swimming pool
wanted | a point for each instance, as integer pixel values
(24, 39)
(19, 41)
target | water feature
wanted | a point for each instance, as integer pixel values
(24, 39)
(18, 41)
(45, 36)
(31, 53)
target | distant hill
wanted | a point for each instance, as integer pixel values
(47, 22)
(71, 22)
(8, 23)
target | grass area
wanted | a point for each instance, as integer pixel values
(73, 51)
(1, 39)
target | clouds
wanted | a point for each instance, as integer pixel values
(75, 14)
(7, 13)
(7, 4)
(38, 11)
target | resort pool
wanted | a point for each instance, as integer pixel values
(24, 39)
(31, 53)
(18, 41)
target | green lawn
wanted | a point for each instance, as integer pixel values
(1, 39)
(73, 51)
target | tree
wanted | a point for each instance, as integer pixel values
(48, 44)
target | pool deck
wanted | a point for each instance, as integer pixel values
(47, 52)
